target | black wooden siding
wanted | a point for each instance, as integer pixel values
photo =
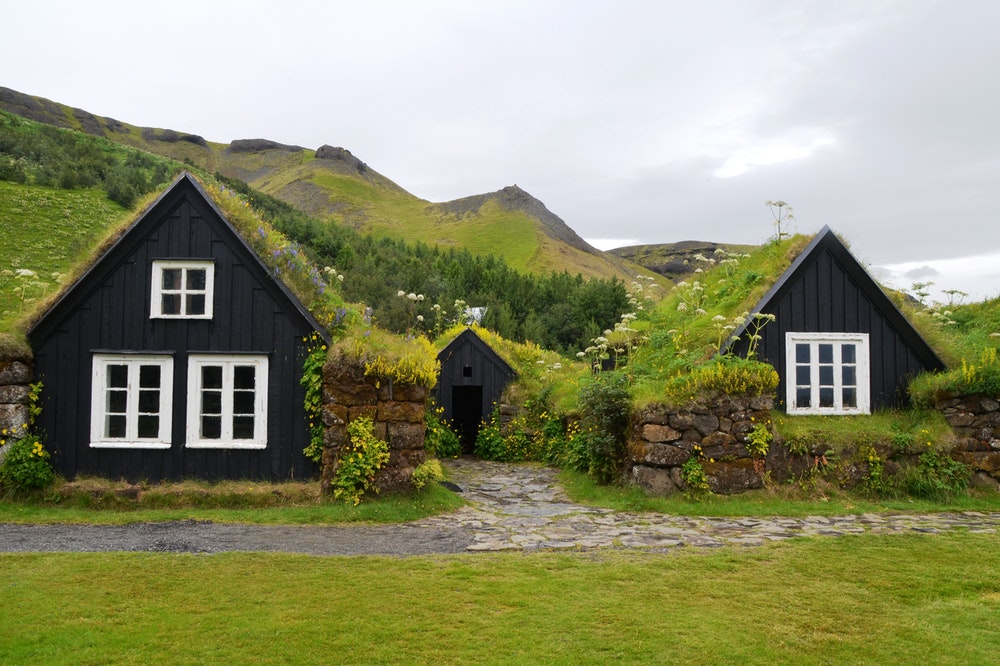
(827, 291)
(488, 370)
(108, 311)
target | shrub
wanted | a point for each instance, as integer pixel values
(439, 439)
(360, 460)
(937, 476)
(730, 375)
(599, 447)
(426, 472)
(26, 465)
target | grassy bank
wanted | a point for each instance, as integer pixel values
(870, 599)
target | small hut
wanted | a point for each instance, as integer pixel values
(473, 377)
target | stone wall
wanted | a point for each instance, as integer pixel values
(398, 414)
(662, 439)
(976, 422)
(15, 379)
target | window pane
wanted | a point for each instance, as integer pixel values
(149, 426)
(117, 376)
(243, 402)
(211, 402)
(850, 397)
(243, 376)
(802, 397)
(211, 376)
(170, 304)
(117, 402)
(802, 375)
(196, 279)
(826, 375)
(149, 376)
(242, 427)
(848, 354)
(850, 376)
(826, 397)
(195, 304)
(801, 353)
(149, 402)
(114, 426)
(171, 278)
(211, 427)
(826, 353)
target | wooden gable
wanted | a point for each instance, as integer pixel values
(826, 290)
(473, 377)
(107, 311)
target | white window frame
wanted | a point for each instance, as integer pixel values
(228, 362)
(99, 406)
(862, 372)
(157, 291)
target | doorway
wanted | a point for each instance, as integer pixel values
(467, 414)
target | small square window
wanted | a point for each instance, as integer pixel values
(467, 371)
(182, 289)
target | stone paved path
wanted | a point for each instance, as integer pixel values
(522, 507)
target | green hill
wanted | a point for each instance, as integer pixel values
(333, 185)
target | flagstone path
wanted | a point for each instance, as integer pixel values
(513, 507)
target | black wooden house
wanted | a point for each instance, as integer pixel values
(839, 344)
(177, 354)
(472, 379)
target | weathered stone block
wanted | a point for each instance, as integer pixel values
(334, 415)
(15, 372)
(14, 394)
(361, 411)
(762, 403)
(411, 412)
(351, 395)
(335, 437)
(682, 421)
(657, 454)
(654, 481)
(14, 418)
(659, 433)
(406, 435)
(706, 423)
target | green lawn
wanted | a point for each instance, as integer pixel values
(868, 599)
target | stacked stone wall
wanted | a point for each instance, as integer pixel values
(15, 388)
(397, 411)
(976, 422)
(663, 438)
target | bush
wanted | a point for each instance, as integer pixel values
(598, 448)
(439, 439)
(26, 465)
(937, 476)
(426, 472)
(360, 460)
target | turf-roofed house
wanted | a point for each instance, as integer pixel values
(838, 342)
(176, 354)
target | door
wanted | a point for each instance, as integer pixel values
(467, 414)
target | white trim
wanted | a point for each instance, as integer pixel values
(157, 291)
(227, 393)
(100, 436)
(835, 389)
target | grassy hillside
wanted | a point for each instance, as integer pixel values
(46, 231)
(333, 185)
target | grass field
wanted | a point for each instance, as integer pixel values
(870, 599)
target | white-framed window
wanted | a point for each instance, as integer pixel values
(182, 289)
(130, 403)
(828, 373)
(227, 401)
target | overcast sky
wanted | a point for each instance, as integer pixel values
(635, 122)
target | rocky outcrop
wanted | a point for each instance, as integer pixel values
(259, 145)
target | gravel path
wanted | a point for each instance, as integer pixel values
(513, 507)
